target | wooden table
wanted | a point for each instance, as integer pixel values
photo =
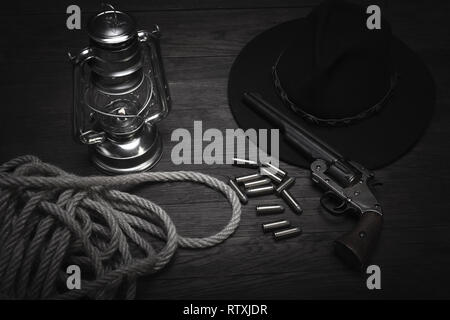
(201, 38)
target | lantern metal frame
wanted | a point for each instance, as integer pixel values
(140, 148)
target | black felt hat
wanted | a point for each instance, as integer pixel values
(361, 90)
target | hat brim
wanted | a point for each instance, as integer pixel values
(374, 142)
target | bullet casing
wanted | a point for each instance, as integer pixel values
(275, 170)
(247, 178)
(270, 226)
(257, 183)
(287, 233)
(268, 173)
(293, 204)
(285, 184)
(244, 163)
(259, 191)
(269, 209)
(241, 195)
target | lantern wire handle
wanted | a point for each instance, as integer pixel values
(107, 5)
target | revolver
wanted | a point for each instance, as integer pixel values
(347, 185)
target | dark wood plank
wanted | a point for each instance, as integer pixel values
(199, 48)
(44, 38)
(311, 271)
(59, 7)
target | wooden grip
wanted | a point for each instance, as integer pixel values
(356, 246)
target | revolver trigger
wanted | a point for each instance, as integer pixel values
(333, 204)
(376, 183)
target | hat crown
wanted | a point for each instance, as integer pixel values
(337, 70)
(340, 30)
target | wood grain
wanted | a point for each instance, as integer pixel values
(22, 7)
(184, 33)
(201, 40)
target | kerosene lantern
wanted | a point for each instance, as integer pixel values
(120, 93)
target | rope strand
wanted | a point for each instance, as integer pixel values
(50, 219)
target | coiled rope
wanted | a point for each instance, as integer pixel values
(50, 219)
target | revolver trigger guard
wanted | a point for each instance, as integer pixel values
(334, 205)
(375, 183)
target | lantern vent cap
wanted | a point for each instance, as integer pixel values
(111, 27)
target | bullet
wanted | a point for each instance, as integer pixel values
(250, 177)
(275, 170)
(295, 206)
(275, 225)
(260, 191)
(269, 209)
(257, 183)
(287, 233)
(241, 195)
(269, 173)
(244, 163)
(284, 185)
